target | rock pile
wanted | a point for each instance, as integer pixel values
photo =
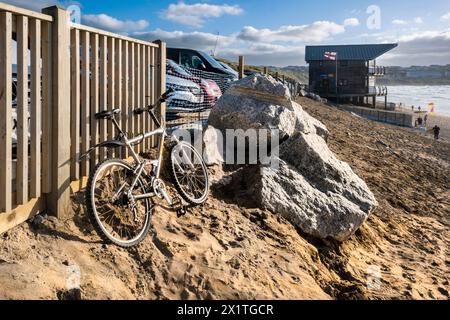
(311, 188)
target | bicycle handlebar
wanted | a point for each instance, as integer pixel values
(162, 99)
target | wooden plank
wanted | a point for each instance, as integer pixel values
(137, 91)
(148, 51)
(85, 100)
(58, 201)
(94, 97)
(21, 214)
(46, 107)
(22, 110)
(103, 90)
(143, 92)
(24, 12)
(5, 111)
(112, 35)
(75, 106)
(36, 108)
(153, 90)
(118, 85)
(131, 85)
(111, 88)
(162, 77)
(125, 103)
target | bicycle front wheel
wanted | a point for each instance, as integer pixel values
(189, 173)
(116, 217)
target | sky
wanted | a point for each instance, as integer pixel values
(274, 33)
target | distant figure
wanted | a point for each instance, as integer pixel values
(425, 120)
(420, 121)
(420, 108)
(437, 132)
(412, 108)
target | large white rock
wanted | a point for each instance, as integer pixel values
(318, 212)
(311, 188)
(256, 102)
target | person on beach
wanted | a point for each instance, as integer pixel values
(437, 132)
(425, 120)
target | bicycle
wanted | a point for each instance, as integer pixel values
(119, 195)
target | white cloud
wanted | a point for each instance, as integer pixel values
(421, 48)
(399, 22)
(446, 17)
(351, 22)
(315, 32)
(197, 40)
(103, 21)
(196, 14)
(418, 20)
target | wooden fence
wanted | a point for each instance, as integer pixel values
(65, 74)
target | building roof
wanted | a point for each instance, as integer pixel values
(364, 52)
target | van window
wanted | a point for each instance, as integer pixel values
(191, 60)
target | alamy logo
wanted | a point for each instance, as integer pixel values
(75, 14)
(374, 20)
(236, 147)
(373, 278)
(73, 277)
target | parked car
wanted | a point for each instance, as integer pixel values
(210, 89)
(199, 60)
(187, 96)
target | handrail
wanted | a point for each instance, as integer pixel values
(112, 35)
(25, 12)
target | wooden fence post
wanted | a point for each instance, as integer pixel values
(5, 111)
(58, 201)
(161, 85)
(241, 67)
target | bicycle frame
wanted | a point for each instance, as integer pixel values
(140, 164)
(122, 140)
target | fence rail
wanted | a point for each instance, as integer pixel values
(65, 74)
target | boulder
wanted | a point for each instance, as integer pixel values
(320, 213)
(313, 189)
(255, 102)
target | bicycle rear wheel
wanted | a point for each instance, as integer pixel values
(115, 217)
(189, 173)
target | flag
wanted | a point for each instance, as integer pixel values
(331, 55)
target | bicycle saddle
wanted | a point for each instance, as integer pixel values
(107, 114)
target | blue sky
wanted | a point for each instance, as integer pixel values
(275, 32)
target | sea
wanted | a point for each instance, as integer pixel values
(422, 96)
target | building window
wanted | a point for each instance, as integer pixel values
(343, 82)
(344, 63)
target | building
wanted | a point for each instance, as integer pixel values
(352, 76)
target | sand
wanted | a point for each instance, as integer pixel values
(229, 249)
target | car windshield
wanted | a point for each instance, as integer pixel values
(211, 60)
(178, 69)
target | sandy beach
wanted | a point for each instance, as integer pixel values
(443, 121)
(230, 249)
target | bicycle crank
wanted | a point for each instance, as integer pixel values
(159, 187)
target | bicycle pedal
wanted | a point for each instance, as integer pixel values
(181, 212)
